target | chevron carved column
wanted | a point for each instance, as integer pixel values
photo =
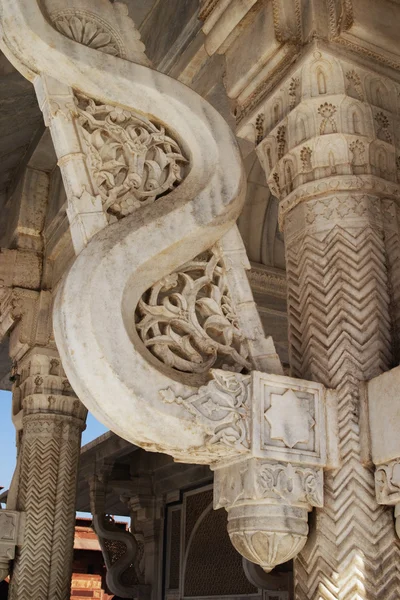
(327, 141)
(340, 335)
(51, 419)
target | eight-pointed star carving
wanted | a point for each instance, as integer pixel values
(289, 419)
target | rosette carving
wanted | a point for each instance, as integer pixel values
(86, 31)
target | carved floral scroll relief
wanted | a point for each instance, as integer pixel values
(225, 403)
(132, 161)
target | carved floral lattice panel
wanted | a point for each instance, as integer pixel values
(188, 320)
(132, 161)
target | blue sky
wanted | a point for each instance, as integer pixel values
(7, 438)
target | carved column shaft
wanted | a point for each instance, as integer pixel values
(340, 335)
(52, 422)
(338, 298)
(330, 158)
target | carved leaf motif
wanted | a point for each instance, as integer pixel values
(387, 482)
(223, 402)
(293, 484)
(187, 320)
(133, 161)
(312, 487)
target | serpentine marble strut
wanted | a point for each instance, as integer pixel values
(155, 322)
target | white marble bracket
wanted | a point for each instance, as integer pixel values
(270, 489)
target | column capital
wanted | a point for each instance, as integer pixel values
(331, 129)
(278, 34)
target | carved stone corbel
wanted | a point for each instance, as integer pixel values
(269, 491)
(384, 421)
(11, 536)
(20, 274)
(120, 548)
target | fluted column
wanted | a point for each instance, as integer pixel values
(327, 140)
(52, 420)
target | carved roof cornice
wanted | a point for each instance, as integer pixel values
(293, 28)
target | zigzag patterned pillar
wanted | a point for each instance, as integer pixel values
(52, 423)
(340, 335)
(330, 158)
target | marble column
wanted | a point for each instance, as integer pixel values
(328, 140)
(49, 420)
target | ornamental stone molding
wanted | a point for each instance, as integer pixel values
(155, 321)
(278, 33)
